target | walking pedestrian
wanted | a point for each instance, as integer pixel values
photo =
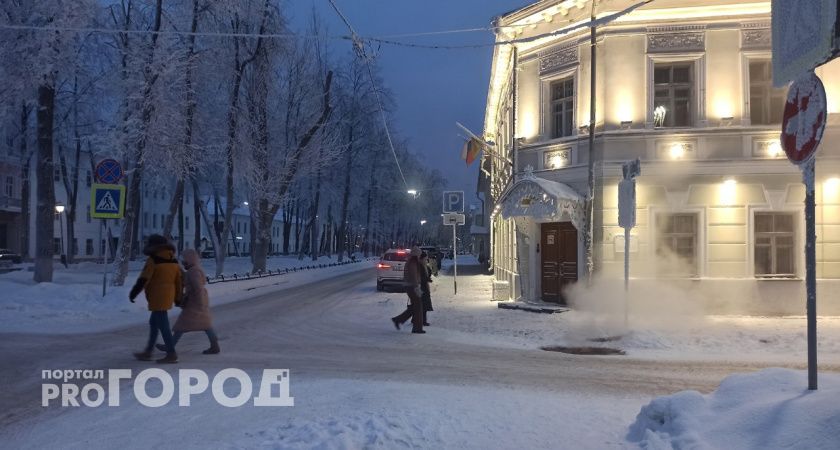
(425, 279)
(161, 281)
(195, 312)
(411, 279)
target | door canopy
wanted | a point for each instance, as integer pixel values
(539, 198)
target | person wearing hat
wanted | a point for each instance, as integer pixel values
(161, 281)
(411, 279)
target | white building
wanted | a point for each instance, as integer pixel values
(719, 206)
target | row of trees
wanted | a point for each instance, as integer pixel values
(216, 98)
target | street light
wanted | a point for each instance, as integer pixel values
(59, 209)
(423, 222)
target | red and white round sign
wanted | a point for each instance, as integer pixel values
(804, 118)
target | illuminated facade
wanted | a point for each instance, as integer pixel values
(686, 87)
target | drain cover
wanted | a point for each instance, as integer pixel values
(588, 351)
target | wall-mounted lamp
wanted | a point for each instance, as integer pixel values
(677, 151)
(726, 121)
(626, 124)
(774, 149)
(583, 129)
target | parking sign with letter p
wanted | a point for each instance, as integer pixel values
(453, 201)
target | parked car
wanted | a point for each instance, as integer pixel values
(8, 255)
(389, 270)
(209, 253)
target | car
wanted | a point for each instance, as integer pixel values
(8, 255)
(389, 270)
(208, 253)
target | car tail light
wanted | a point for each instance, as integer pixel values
(383, 266)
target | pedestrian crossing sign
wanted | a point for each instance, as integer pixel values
(107, 201)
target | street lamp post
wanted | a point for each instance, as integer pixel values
(59, 209)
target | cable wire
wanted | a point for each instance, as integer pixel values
(359, 47)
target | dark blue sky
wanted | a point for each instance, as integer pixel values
(433, 88)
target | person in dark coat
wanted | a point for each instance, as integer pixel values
(411, 279)
(161, 282)
(425, 279)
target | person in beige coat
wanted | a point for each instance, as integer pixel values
(195, 306)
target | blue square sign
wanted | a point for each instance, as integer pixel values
(107, 201)
(453, 201)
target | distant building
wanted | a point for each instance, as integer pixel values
(686, 87)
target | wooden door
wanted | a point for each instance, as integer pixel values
(558, 257)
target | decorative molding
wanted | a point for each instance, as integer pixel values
(767, 148)
(675, 28)
(555, 60)
(671, 149)
(676, 42)
(747, 25)
(756, 38)
(557, 159)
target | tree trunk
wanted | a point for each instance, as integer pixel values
(368, 216)
(174, 205)
(288, 217)
(45, 212)
(129, 229)
(25, 183)
(196, 217)
(345, 200)
(214, 238)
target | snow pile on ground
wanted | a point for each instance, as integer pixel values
(73, 302)
(768, 409)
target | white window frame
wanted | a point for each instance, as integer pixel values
(545, 101)
(702, 225)
(746, 59)
(798, 242)
(698, 60)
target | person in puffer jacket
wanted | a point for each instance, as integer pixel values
(161, 282)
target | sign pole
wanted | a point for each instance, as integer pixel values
(455, 256)
(104, 258)
(626, 276)
(811, 271)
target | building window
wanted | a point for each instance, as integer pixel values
(673, 86)
(9, 188)
(238, 227)
(101, 247)
(678, 244)
(75, 246)
(767, 103)
(562, 107)
(57, 246)
(89, 247)
(154, 221)
(774, 242)
(187, 222)
(145, 220)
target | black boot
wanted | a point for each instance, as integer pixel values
(214, 348)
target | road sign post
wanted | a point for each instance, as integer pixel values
(454, 219)
(803, 124)
(627, 220)
(107, 201)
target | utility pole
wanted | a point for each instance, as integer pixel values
(589, 236)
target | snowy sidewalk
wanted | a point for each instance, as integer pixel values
(670, 333)
(73, 302)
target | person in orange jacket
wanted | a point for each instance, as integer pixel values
(161, 282)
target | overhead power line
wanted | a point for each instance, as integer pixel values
(353, 37)
(359, 47)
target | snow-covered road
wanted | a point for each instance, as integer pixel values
(341, 365)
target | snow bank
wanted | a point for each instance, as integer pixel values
(767, 409)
